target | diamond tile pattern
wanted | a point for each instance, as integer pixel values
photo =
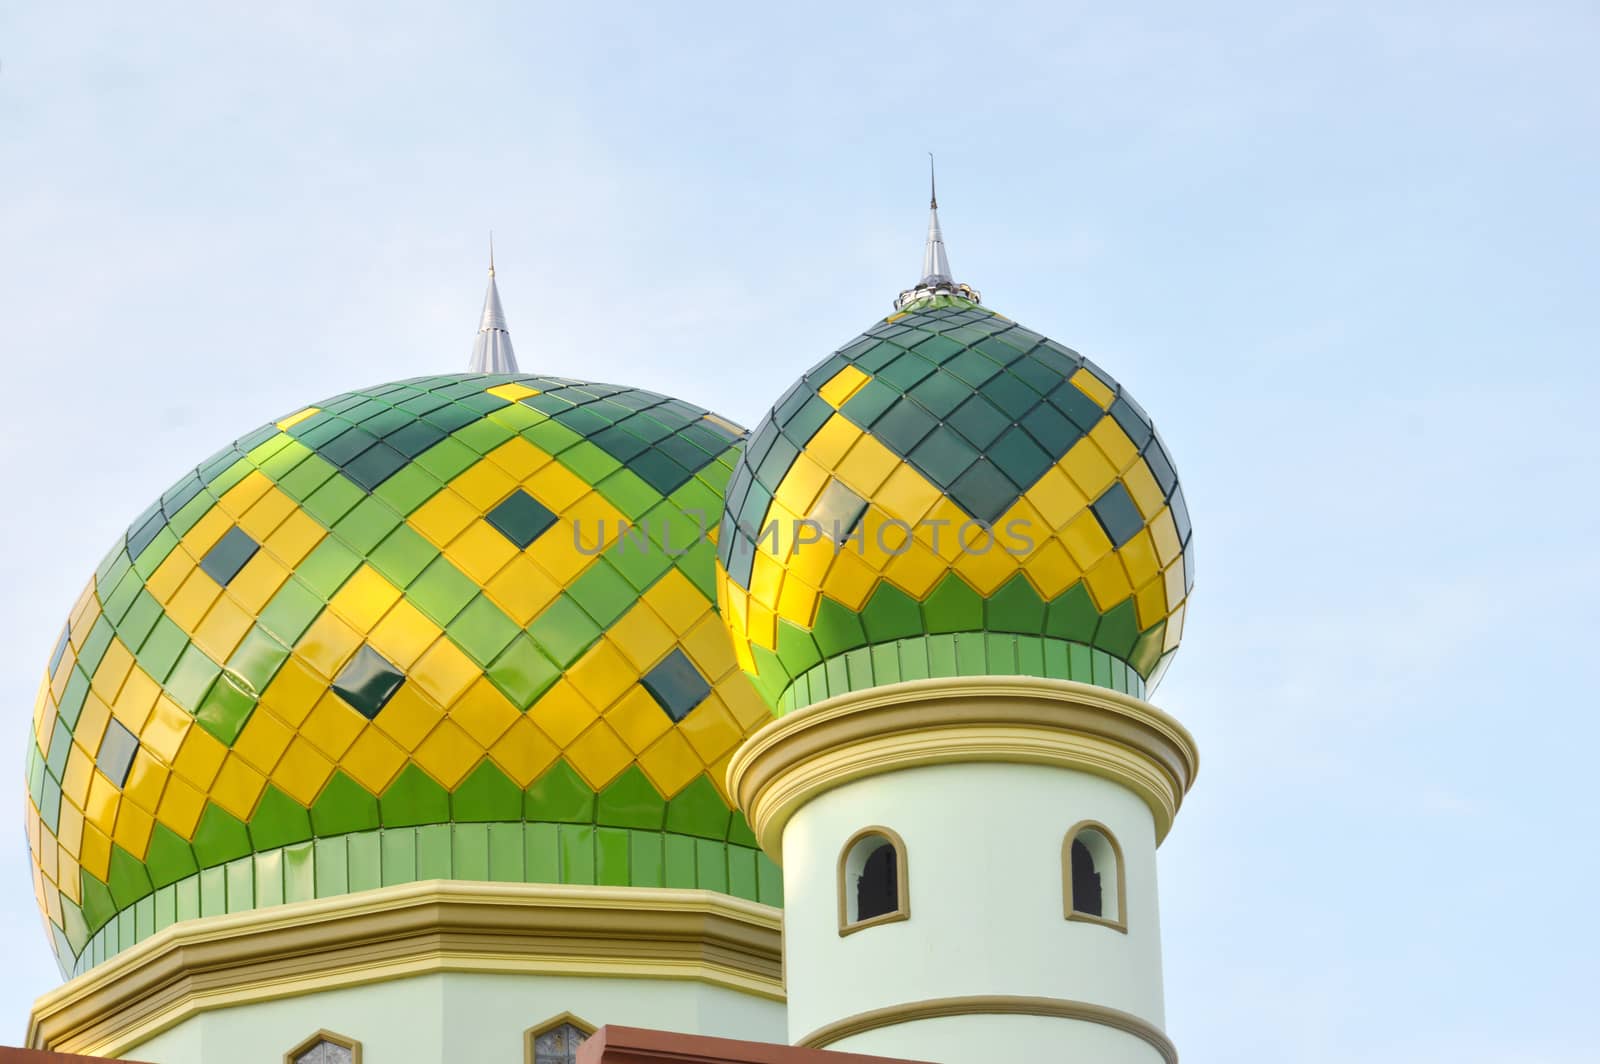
(1013, 511)
(340, 653)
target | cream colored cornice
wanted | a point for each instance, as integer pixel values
(979, 718)
(412, 929)
(993, 1005)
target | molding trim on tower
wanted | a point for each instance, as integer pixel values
(411, 929)
(992, 1005)
(1017, 719)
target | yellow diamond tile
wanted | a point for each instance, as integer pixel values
(224, 626)
(1139, 559)
(44, 706)
(522, 590)
(146, 779)
(258, 581)
(828, 446)
(79, 773)
(1108, 583)
(484, 485)
(96, 856)
(1150, 603)
(906, 495)
(677, 601)
(562, 713)
(1174, 628)
(480, 552)
(766, 578)
(557, 486)
(448, 754)
(267, 514)
(443, 517)
(559, 555)
(87, 606)
(1093, 387)
(523, 752)
(801, 485)
(598, 755)
(1141, 484)
(294, 419)
(71, 885)
(602, 674)
(263, 741)
(850, 580)
(1056, 497)
(134, 826)
(519, 458)
(292, 540)
(939, 530)
(403, 634)
(302, 772)
(711, 729)
(842, 386)
(484, 713)
(1164, 530)
(237, 500)
(916, 570)
(1174, 582)
(740, 696)
(293, 691)
(332, 726)
(373, 760)
(238, 787)
(163, 733)
(512, 391)
(1052, 570)
(670, 763)
(199, 758)
(409, 716)
(707, 646)
(70, 829)
(866, 466)
(1089, 469)
(101, 809)
(364, 599)
(637, 719)
(985, 564)
(1109, 437)
(1085, 540)
(328, 644)
(206, 531)
(91, 723)
(444, 672)
(642, 636)
(113, 669)
(189, 605)
(798, 603)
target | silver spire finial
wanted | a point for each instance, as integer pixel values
(491, 349)
(936, 278)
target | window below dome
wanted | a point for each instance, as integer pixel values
(556, 1041)
(1092, 876)
(325, 1047)
(873, 882)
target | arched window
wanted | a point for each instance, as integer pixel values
(325, 1047)
(556, 1040)
(1092, 878)
(873, 885)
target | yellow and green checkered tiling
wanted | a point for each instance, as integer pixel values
(952, 494)
(451, 627)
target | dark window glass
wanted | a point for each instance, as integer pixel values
(878, 889)
(1085, 881)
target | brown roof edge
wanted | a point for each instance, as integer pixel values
(8, 1055)
(639, 1045)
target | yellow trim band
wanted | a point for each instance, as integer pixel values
(411, 929)
(993, 1005)
(1021, 719)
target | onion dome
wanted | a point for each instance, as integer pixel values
(450, 627)
(953, 494)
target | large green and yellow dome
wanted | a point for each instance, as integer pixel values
(952, 494)
(396, 636)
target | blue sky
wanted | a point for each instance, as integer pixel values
(1345, 254)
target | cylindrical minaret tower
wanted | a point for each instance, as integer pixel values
(955, 558)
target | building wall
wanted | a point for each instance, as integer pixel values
(457, 1016)
(983, 846)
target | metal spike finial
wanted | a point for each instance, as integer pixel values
(491, 349)
(936, 276)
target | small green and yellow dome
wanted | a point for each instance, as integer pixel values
(953, 494)
(450, 627)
